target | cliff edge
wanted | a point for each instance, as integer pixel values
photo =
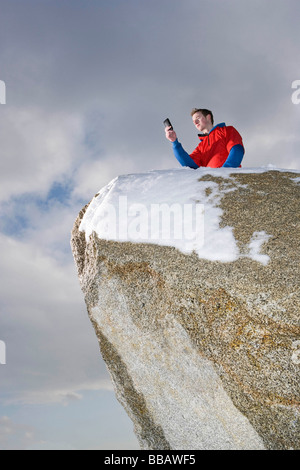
(191, 281)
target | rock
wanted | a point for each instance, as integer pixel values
(204, 353)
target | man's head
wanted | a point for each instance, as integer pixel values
(203, 119)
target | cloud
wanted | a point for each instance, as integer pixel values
(14, 436)
(117, 69)
(38, 148)
(45, 328)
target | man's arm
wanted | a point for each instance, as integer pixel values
(182, 156)
(235, 156)
(179, 152)
(235, 148)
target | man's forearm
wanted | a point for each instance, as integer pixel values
(235, 156)
(182, 156)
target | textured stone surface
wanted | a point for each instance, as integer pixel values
(203, 354)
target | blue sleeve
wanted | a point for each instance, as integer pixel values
(235, 156)
(182, 156)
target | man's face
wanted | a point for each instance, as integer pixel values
(201, 122)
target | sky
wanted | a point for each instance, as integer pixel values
(88, 84)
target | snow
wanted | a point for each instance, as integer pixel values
(257, 240)
(171, 208)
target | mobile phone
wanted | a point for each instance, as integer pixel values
(167, 123)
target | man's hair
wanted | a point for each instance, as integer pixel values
(205, 113)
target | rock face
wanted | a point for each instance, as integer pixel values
(205, 354)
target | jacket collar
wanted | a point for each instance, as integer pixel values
(222, 124)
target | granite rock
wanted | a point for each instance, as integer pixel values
(205, 354)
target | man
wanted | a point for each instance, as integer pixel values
(220, 145)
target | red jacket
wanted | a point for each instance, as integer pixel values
(214, 147)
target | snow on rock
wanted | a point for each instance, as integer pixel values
(191, 281)
(173, 208)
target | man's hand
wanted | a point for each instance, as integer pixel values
(170, 134)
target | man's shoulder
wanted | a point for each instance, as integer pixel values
(227, 130)
(223, 127)
(219, 130)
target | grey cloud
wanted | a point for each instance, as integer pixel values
(14, 436)
(135, 63)
(45, 327)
